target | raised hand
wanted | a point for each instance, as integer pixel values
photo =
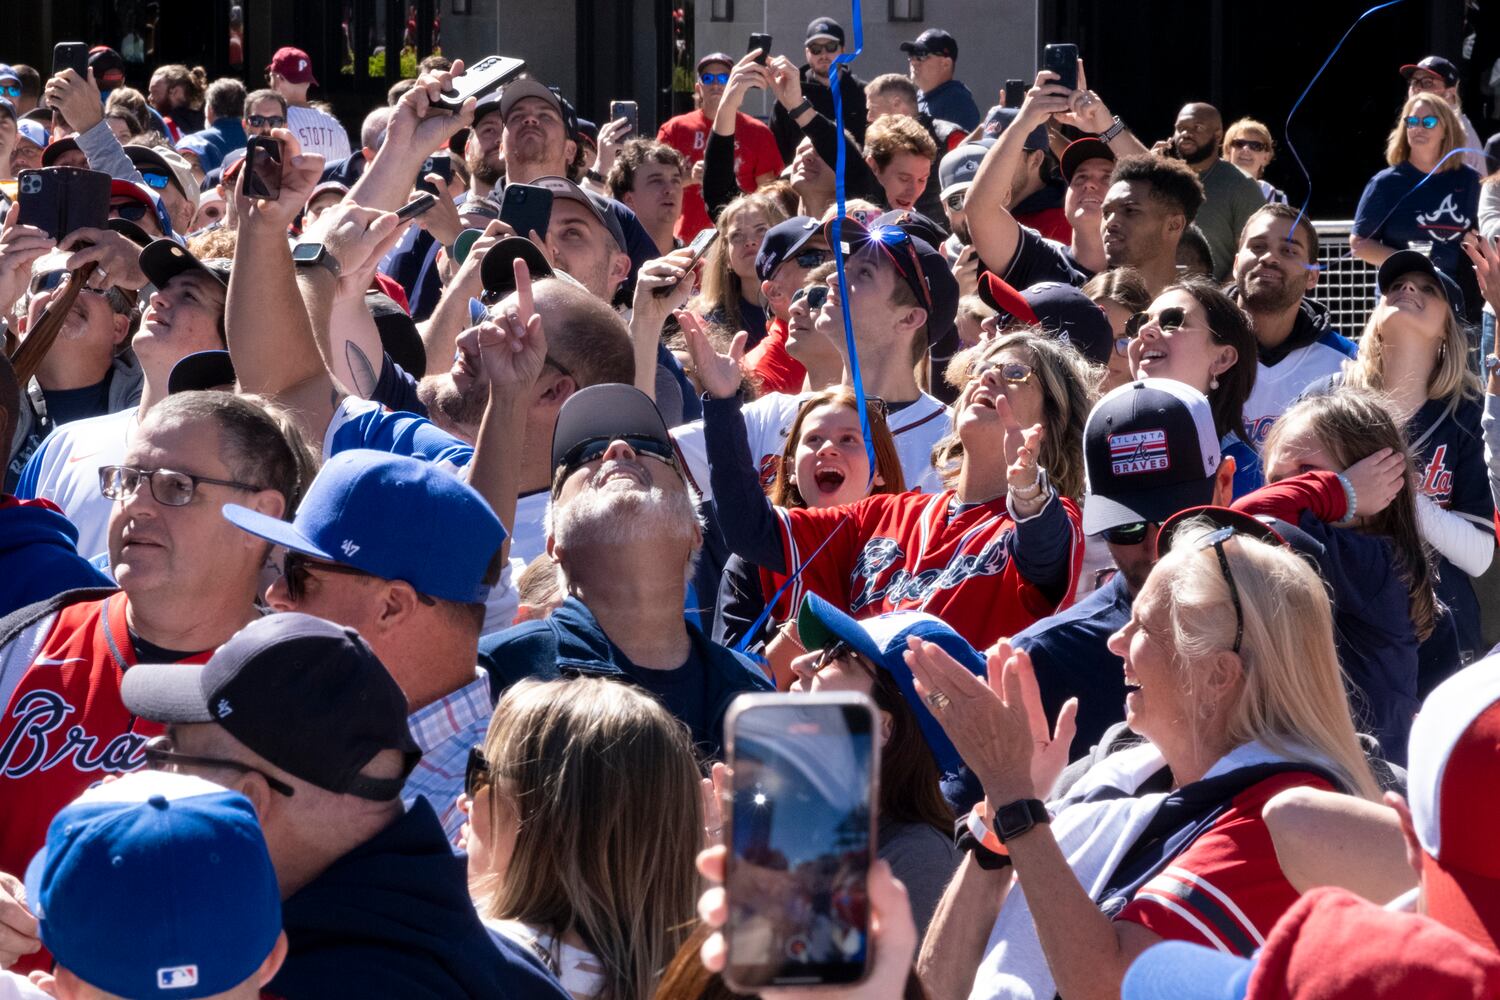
(77, 97)
(358, 237)
(512, 349)
(20, 246)
(1051, 746)
(786, 82)
(1377, 479)
(417, 125)
(300, 173)
(1486, 258)
(611, 137)
(719, 374)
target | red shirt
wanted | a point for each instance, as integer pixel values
(771, 366)
(755, 153)
(1051, 223)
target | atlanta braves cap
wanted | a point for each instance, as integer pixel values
(1149, 450)
(185, 860)
(1403, 262)
(608, 410)
(1063, 311)
(999, 119)
(958, 166)
(393, 517)
(913, 223)
(307, 695)
(782, 242)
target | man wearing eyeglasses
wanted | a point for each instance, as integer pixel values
(264, 110)
(623, 528)
(1436, 75)
(165, 172)
(1150, 450)
(825, 43)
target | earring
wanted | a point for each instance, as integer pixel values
(1213, 382)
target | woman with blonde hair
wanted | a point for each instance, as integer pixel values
(584, 819)
(1249, 146)
(1395, 213)
(1236, 689)
(730, 296)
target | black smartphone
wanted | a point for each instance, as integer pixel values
(71, 55)
(526, 208)
(421, 203)
(1015, 93)
(1062, 59)
(762, 42)
(479, 79)
(628, 110)
(262, 168)
(804, 769)
(697, 248)
(438, 163)
(59, 200)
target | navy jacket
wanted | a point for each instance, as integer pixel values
(38, 555)
(570, 642)
(951, 101)
(393, 918)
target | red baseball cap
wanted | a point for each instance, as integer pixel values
(1453, 768)
(293, 64)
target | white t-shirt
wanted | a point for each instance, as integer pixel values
(916, 428)
(65, 470)
(318, 132)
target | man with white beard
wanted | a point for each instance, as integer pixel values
(623, 528)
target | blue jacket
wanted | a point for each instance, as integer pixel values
(38, 555)
(225, 135)
(570, 642)
(951, 101)
(393, 918)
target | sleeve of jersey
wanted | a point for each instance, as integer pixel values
(31, 472)
(358, 423)
(820, 545)
(1471, 482)
(1226, 890)
(1047, 549)
(1317, 492)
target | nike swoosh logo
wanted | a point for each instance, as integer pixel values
(80, 458)
(47, 661)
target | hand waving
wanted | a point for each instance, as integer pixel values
(719, 374)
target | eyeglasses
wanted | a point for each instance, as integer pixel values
(956, 200)
(1425, 83)
(1127, 534)
(476, 772)
(826, 48)
(161, 757)
(1169, 319)
(155, 181)
(48, 280)
(709, 79)
(1426, 121)
(1122, 345)
(296, 567)
(173, 489)
(1254, 145)
(1216, 539)
(918, 56)
(131, 211)
(816, 295)
(266, 121)
(1014, 372)
(592, 449)
(811, 258)
(10, 91)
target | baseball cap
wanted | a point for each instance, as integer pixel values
(393, 517)
(716, 57)
(107, 64)
(169, 163)
(597, 205)
(1149, 450)
(517, 90)
(1060, 309)
(782, 242)
(55, 149)
(8, 72)
(399, 337)
(307, 695)
(932, 42)
(1435, 64)
(913, 223)
(1268, 529)
(882, 641)
(497, 273)
(1453, 764)
(1492, 153)
(1331, 945)
(162, 260)
(33, 132)
(608, 410)
(588, 132)
(922, 268)
(329, 187)
(958, 166)
(171, 850)
(1080, 151)
(825, 27)
(999, 119)
(1404, 262)
(201, 370)
(208, 155)
(293, 64)
(145, 197)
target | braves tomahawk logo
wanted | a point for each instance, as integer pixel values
(880, 554)
(1449, 231)
(39, 740)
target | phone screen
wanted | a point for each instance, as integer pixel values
(803, 777)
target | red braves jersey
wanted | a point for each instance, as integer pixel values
(1227, 889)
(755, 153)
(65, 725)
(904, 552)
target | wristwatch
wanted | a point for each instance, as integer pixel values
(1018, 817)
(795, 113)
(1109, 134)
(315, 255)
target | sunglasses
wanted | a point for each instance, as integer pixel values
(1169, 319)
(1122, 345)
(592, 449)
(296, 567)
(10, 91)
(1127, 534)
(476, 772)
(709, 79)
(1426, 121)
(49, 280)
(816, 295)
(955, 201)
(131, 211)
(161, 757)
(1014, 372)
(154, 181)
(840, 650)
(172, 489)
(1254, 145)
(266, 121)
(824, 49)
(811, 258)
(1216, 540)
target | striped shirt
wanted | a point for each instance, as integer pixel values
(444, 731)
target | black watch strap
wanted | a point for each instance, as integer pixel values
(1015, 818)
(795, 113)
(964, 840)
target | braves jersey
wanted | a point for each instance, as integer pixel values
(918, 552)
(1280, 385)
(768, 420)
(65, 726)
(65, 470)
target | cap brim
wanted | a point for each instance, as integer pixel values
(820, 623)
(912, 48)
(1468, 903)
(201, 370)
(831, 38)
(1081, 151)
(608, 410)
(1005, 299)
(166, 692)
(1224, 517)
(130, 231)
(518, 90)
(275, 531)
(1406, 262)
(163, 259)
(1173, 970)
(1100, 513)
(497, 273)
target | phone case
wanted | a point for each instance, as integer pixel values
(479, 79)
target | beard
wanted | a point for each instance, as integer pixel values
(616, 515)
(483, 168)
(449, 405)
(1203, 152)
(1263, 298)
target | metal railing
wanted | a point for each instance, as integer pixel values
(1346, 284)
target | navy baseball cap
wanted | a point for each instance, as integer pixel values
(496, 271)
(913, 223)
(882, 641)
(1271, 530)
(958, 166)
(162, 260)
(932, 42)
(608, 410)
(1149, 451)
(201, 370)
(716, 57)
(782, 242)
(825, 27)
(8, 72)
(1433, 64)
(1404, 262)
(999, 119)
(1080, 151)
(305, 694)
(185, 859)
(922, 268)
(1058, 308)
(54, 150)
(393, 517)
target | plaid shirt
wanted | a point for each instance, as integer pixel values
(444, 731)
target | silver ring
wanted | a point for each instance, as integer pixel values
(936, 700)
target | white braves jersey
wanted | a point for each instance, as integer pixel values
(65, 470)
(318, 132)
(1280, 385)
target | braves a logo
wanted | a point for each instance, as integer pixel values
(1448, 231)
(29, 747)
(1437, 478)
(880, 554)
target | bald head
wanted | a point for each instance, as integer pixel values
(1206, 113)
(1198, 134)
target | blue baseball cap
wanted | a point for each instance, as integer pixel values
(184, 861)
(1179, 969)
(999, 119)
(394, 517)
(882, 641)
(8, 72)
(782, 242)
(1403, 262)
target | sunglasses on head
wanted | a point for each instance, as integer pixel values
(266, 121)
(1254, 145)
(824, 48)
(1216, 540)
(592, 449)
(1425, 121)
(1169, 319)
(1127, 534)
(709, 79)
(816, 295)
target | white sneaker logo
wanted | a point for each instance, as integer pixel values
(47, 661)
(348, 547)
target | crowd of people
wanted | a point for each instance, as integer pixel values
(375, 584)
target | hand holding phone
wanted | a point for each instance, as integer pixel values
(71, 55)
(759, 40)
(479, 79)
(59, 200)
(418, 205)
(697, 249)
(262, 169)
(1062, 58)
(628, 110)
(526, 209)
(1015, 93)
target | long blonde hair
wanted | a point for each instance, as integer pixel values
(1450, 379)
(1293, 697)
(604, 787)
(1398, 150)
(721, 286)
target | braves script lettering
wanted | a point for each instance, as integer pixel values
(880, 554)
(29, 749)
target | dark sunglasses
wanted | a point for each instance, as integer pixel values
(709, 79)
(161, 757)
(296, 567)
(171, 489)
(155, 181)
(1127, 534)
(476, 772)
(9, 91)
(840, 650)
(826, 48)
(266, 121)
(811, 258)
(131, 211)
(816, 295)
(1169, 319)
(1254, 145)
(1216, 540)
(1426, 121)
(592, 449)
(48, 280)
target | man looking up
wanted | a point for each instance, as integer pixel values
(1229, 196)
(647, 177)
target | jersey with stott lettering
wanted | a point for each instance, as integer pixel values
(65, 726)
